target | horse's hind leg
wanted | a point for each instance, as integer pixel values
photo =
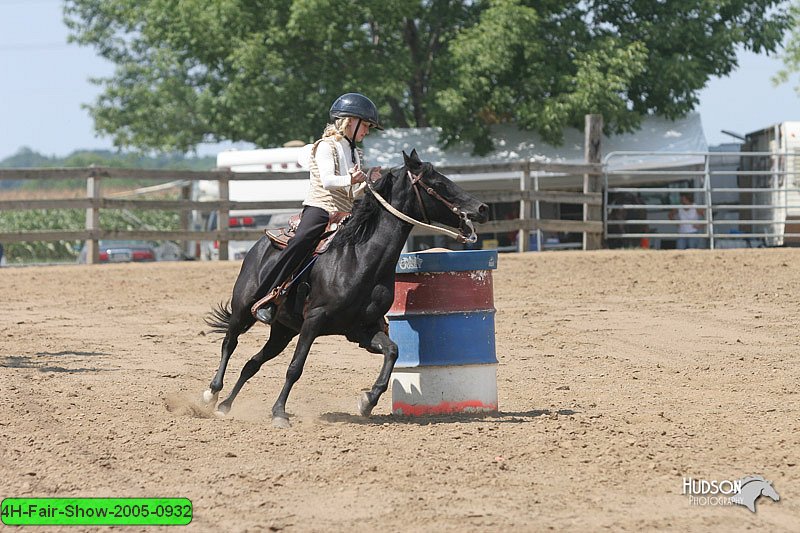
(238, 319)
(379, 343)
(228, 346)
(279, 338)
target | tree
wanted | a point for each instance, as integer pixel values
(266, 71)
(791, 53)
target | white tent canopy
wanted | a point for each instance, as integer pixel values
(673, 139)
(511, 144)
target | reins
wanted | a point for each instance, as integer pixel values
(416, 182)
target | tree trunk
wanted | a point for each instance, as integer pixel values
(417, 83)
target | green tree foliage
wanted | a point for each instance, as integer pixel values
(791, 53)
(266, 71)
(28, 158)
(25, 158)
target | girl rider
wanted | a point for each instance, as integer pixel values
(337, 177)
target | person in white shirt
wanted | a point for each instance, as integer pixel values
(688, 216)
(337, 179)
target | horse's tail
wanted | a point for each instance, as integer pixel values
(219, 318)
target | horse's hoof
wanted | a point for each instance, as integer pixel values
(280, 422)
(364, 405)
(222, 410)
(210, 398)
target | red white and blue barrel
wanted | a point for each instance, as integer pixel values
(442, 320)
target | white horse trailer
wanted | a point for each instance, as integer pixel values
(273, 160)
(778, 174)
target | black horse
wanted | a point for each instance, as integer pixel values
(351, 285)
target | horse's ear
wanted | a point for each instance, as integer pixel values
(412, 161)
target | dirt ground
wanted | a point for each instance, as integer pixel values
(620, 373)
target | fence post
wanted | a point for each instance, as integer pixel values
(224, 214)
(185, 219)
(708, 201)
(593, 131)
(523, 235)
(537, 213)
(93, 218)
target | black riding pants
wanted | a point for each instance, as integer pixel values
(312, 226)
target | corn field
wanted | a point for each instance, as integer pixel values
(70, 219)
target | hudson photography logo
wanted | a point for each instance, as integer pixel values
(727, 492)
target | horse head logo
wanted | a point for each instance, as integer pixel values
(752, 488)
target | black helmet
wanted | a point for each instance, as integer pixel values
(358, 106)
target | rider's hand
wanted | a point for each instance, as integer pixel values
(374, 173)
(356, 175)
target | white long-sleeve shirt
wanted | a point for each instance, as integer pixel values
(331, 191)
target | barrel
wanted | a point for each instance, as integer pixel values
(442, 320)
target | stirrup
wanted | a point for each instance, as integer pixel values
(266, 314)
(272, 299)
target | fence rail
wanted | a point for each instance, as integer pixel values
(751, 201)
(183, 179)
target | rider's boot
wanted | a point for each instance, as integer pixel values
(267, 313)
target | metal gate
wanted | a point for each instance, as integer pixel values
(701, 199)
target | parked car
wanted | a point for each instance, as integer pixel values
(122, 252)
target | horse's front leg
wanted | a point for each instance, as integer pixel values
(379, 342)
(308, 334)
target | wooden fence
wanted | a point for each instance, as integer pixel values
(592, 228)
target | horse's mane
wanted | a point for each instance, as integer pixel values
(364, 219)
(750, 479)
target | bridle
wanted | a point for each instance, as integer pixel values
(416, 184)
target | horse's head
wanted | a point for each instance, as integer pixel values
(440, 200)
(769, 491)
(752, 487)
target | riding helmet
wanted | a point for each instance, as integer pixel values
(356, 105)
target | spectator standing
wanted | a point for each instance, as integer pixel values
(688, 215)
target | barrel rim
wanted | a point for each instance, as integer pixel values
(450, 261)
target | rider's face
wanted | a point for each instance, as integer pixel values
(363, 129)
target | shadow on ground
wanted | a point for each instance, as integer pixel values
(503, 417)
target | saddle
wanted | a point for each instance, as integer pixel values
(281, 239)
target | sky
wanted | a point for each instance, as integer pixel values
(44, 81)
